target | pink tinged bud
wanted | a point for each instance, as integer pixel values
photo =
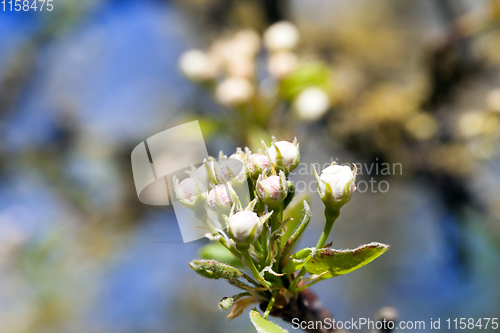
(336, 184)
(188, 191)
(284, 155)
(220, 198)
(245, 227)
(281, 64)
(257, 163)
(272, 190)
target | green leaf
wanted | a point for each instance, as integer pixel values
(305, 76)
(264, 326)
(298, 260)
(217, 251)
(329, 262)
(295, 211)
(339, 262)
(299, 230)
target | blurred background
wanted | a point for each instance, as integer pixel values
(374, 82)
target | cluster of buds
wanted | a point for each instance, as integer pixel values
(259, 236)
(230, 66)
(218, 185)
(212, 186)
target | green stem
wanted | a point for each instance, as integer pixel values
(296, 280)
(251, 185)
(271, 304)
(275, 218)
(201, 214)
(298, 290)
(230, 248)
(250, 264)
(331, 215)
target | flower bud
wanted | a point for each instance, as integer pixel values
(248, 41)
(336, 184)
(257, 164)
(189, 192)
(281, 64)
(196, 66)
(234, 91)
(221, 198)
(272, 190)
(284, 155)
(312, 103)
(245, 227)
(281, 36)
(241, 67)
(226, 303)
(493, 100)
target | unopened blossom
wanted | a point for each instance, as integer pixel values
(281, 36)
(188, 191)
(336, 184)
(248, 41)
(234, 91)
(233, 170)
(493, 100)
(241, 67)
(272, 190)
(284, 155)
(281, 64)
(196, 66)
(220, 198)
(312, 104)
(257, 164)
(245, 227)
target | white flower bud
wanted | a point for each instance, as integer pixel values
(493, 100)
(336, 184)
(196, 66)
(241, 67)
(272, 190)
(312, 103)
(245, 227)
(281, 64)
(188, 191)
(281, 36)
(284, 155)
(234, 91)
(249, 41)
(257, 164)
(221, 198)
